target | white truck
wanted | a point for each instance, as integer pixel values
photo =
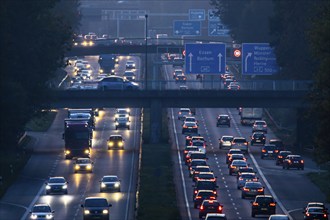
(249, 115)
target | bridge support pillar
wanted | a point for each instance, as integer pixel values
(155, 121)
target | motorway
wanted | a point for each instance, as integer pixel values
(291, 188)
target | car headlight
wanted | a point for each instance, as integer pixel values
(77, 167)
(112, 71)
(133, 77)
(127, 123)
(103, 185)
(117, 123)
(67, 152)
(117, 184)
(105, 211)
(120, 144)
(86, 212)
(101, 70)
(34, 216)
(65, 186)
(48, 187)
(111, 144)
(86, 151)
(49, 216)
(88, 167)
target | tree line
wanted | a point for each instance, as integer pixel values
(299, 32)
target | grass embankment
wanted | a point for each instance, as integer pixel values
(157, 196)
(13, 160)
(322, 181)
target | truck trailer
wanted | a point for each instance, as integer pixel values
(250, 115)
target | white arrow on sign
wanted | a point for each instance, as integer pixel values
(220, 59)
(246, 58)
(190, 61)
(213, 31)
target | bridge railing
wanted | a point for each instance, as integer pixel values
(191, 84)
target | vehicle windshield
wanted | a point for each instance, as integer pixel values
(56, 180)
(96, 203)
(227, 139)
(80, 161)
(41, 209)
(110, 179)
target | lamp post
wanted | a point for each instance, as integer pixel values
(146, 58)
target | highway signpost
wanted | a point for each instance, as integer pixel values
(187, 28)
(205, 58)
(258, 59)
(196, 14)
(215, 28)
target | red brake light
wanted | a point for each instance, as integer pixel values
(198, 197)
(260, 190)
(201, 208)
(263, 150)
(302, 161)
(220, 208)
(255, 204)
(272, 204)
(245, 189)
(280, 156)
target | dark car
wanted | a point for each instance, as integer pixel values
(263, 205)
(204, 185)
(316, 204)
(244, 170)
(199, 169)
(187, 149)
(223, 120)
(110, 183)
(41, 211)
(269, 151)
(281, 156)
(230, 152)
(190, 127)
(209, 206)
(56, 184)
(278, 143)
(236, 157)
(293, 161)
(202, 195)
(195, 155)
(96, 208)
(180, 79)
(258, 138)
(115, 141)
(196, 162)
(315, 213)
(235, 164)
(251, 189)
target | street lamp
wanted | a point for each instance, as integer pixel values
(146, 58)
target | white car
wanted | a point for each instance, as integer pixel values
(41, 211)
(184, 112)
(130, 64)
(83, 164)
(225, 141)
(259, 125)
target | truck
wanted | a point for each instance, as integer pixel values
(107, 63)
(77, 138)
(250, 115)
(80, 115)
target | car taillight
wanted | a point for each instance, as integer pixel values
(214, 192)
(307, 214)
(220, 208)
(185, 126)
(263, 151)
(245, 189)
(195, 127)
(272, 204)
(198, 197)
(201, 208)
(260, 190)
(280, 156)
(195, 192)
(255, 204)
(289, 161)
(324, 215)
(212, 197)
(301, 161)
(233, 143)
(179, 113)
(233, 167)
(240, 178)
(185, 151)
(276, 151)
(245, 143)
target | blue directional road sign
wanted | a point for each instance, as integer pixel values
(258, 59)
(196, 14)
(205, 58)
(188, 28)
(217, 29)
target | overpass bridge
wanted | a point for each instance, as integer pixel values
(158, 99)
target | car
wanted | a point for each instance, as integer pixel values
(183, 87)
(263, 205)
(210, 206)
(190, 119)
(189, 148)
(258, 138)
(293, 161)
(246, 177)
(227, 81)
(242, 170)
(42, 211)
(195, 155)
(110, 183)
(313, 213)
(190, 127)
(278, 142)
(122, 122)
(278, 217)
(251, 189)
(177, 72)
(205, 176)
(197, 138)
(240, 143)
(215, 216)
(202, 195)
(56, 184)
(178, 62)
(232, 151)
(115, 141)
(235, 164)
(269, 151)
(122, 111)
(180, 79)
(184, 112)
(233, 87)
(130, 64)
(198, 169)
(236, 157)
(196, 162)
(116, 83)
(225, 141)
(315, 204)
(129, 75)
(95, 208)
(85, 74)
(223, 120)
(259, 125)
(200, 144)
(281, 156)
(204, 185)
(83, 164)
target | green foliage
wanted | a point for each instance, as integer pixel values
(322, 181)
(41, 122)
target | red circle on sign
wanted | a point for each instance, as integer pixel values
(237, 53)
